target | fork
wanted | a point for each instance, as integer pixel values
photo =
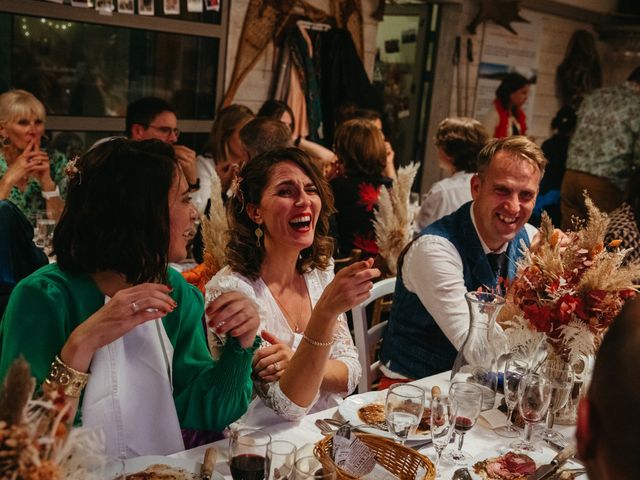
(379, 425)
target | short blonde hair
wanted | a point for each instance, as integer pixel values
(18, 103)
(518, 145)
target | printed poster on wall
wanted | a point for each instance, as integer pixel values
(503, 52)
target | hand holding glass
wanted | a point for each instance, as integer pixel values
(403, 409)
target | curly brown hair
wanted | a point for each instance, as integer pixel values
(243, 256)
(461, 138)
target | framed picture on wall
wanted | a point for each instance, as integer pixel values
(125, 6)
(212, 5)
(145, 7)
(171, 7)
(194, 6)
(104, 6)
(82, 3)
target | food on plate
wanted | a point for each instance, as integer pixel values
(510, 466)
(161, 472)
(373, 414)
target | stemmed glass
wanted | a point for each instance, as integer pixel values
(443, 419)
(248, 454)
(514, 370)
(281, 456)
(468, 398)
(561, 378)
(403, 409)
(534, 395)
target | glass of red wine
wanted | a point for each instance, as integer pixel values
(534, 396)
(248, 453)
(468, 398)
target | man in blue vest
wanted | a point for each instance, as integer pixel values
(464, 251)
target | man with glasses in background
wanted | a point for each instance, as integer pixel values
(152, 117)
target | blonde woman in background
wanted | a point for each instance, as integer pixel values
(28, 177)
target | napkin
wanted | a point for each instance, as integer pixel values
(493, 419)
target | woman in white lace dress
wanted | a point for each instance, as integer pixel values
(279, 256)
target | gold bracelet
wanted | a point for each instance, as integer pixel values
(316, 343)
(62, 375)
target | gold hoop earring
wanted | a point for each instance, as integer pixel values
(259, 235)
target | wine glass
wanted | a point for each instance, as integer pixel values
(534, 395)
(468, 398)
(281, 456)
(403, 409)
(311, 468)
(443, 419)
(514, 370)
(248, 453)
(561, 377)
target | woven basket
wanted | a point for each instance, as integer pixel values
(403, 462)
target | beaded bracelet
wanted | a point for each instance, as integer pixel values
(316, 343)
(62, 375)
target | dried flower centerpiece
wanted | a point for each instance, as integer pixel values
(570, 291)
(36, 442)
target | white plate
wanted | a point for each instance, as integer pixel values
(541, 458)
(349, 411)
(134, 465)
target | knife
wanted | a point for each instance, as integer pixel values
(544, 471)
(210, 455)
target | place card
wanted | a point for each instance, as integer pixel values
(493, 419)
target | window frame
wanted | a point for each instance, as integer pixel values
(41, 8)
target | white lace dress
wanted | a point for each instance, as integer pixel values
(273, 320)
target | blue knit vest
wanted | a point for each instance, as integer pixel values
(413, 344)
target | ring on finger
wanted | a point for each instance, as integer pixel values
(134, 307)
(277, 366)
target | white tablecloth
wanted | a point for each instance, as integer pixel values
(479, 440)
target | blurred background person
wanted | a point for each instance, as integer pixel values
(361, 152)
(29, 177)
(458, 140)
(604, 151)
(111, 303)
(279, 256)
(263, 134)
(507, 116)
(555, 149)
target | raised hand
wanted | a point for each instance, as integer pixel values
(235, 314)
(127, 309)
(270, 362)
(351, 286)
(187, 160)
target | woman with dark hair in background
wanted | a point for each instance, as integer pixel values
(112, 303)
(279, 256)
(507, 117)
(361, 151)
(458, 140)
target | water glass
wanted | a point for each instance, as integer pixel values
(443, 420)
(514, 370)
(403, 409)
(468, 399)
(311, 468)
(281, 457)
(248, 454)
(534, 395)
(561, 377)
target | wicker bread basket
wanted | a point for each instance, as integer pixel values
(403, 462)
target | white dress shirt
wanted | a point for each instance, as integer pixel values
(433, 270)
(444, 197)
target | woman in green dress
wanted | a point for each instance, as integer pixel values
(116, 329)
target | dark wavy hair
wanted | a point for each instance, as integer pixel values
(461, 138)
(275, 109)
(512, 82)
(116, 214)
(243, 256)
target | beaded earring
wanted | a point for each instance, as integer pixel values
(259, 234)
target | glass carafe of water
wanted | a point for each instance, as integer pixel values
(477, 360)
